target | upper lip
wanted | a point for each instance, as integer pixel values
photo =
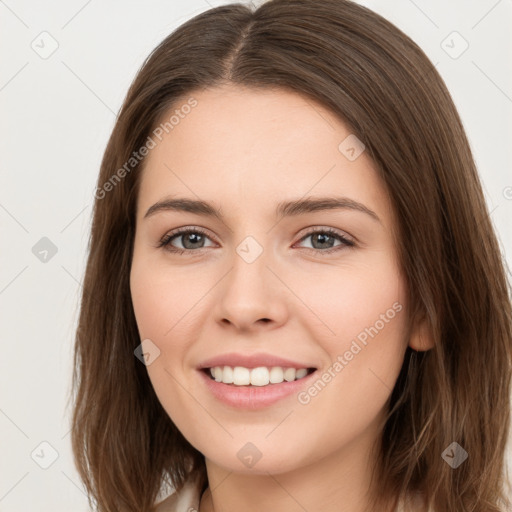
(251, 361)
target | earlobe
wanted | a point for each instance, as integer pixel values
(421, 338)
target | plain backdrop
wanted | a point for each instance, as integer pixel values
(58, 110)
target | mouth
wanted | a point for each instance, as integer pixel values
(254, 389)
(262, 376)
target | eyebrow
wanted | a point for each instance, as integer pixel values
(284, 208)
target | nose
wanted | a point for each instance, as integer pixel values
(252, 296)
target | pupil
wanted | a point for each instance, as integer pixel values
(192, 235)
(323, 236)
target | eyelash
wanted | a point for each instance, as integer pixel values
(165, 242)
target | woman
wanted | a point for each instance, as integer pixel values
(340, 336)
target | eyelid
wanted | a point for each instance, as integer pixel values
(346, 241)
(325, 229)
(164, 242)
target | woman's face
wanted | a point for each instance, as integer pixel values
(316, 285)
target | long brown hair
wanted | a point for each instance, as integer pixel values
(381, 84)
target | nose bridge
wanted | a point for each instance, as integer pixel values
(249, 292)
(249, 274)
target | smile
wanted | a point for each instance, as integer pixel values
(260, 376)
(250, 396)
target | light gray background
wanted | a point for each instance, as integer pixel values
(57, 114)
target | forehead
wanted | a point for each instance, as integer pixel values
(235, 123)
(238, 144)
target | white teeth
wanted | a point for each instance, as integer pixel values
(227, 375)
(261, 376)
(289, 374)
(241, 376)
(276, 375)
(217, 373)
(301, 373)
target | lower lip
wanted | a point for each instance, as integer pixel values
(254, 397)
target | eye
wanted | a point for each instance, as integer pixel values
(192, 238)
(324, 239)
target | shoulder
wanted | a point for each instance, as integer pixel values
(186, 500)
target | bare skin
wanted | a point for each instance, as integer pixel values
(245, 151)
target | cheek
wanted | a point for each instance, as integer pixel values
(367, 316)
(360, 320)
(165, 308)
(349, 299)
(163, 299)
(156, 312)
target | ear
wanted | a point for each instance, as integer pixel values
(421, 338)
